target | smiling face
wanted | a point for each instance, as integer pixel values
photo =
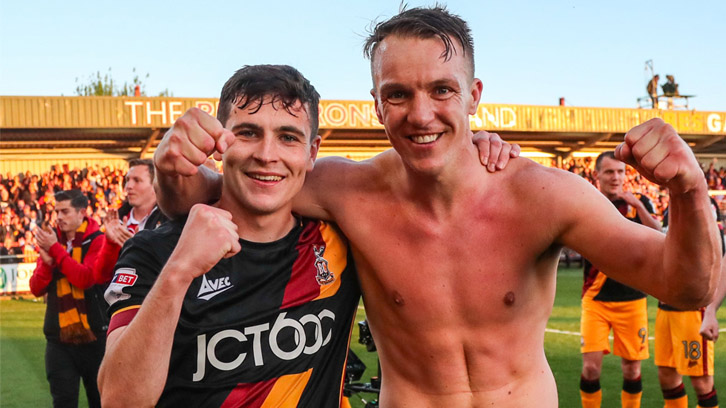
(266, 165)
(423, 100)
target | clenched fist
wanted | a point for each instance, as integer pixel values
(189, 142)
(657, 152)
(208, 236)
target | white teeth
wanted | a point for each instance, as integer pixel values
(266, 178)
(425, 138)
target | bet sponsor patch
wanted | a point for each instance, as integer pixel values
(124, 277)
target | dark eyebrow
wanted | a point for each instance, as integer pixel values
(245, 125)
(389, 86)
(257, 128)
(291, 129)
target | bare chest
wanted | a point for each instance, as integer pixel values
(483, 259)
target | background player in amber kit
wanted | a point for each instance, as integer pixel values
(608, 303)
(244, 304)
(684, 342)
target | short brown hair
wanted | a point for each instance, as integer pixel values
(143, 162)
(425, 23)
(251, 84)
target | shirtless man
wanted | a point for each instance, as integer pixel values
(458, 265)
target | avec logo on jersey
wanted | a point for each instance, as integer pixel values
(286, 340)
(213, 287)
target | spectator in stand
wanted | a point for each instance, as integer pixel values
(75, 319)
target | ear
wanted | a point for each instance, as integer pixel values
(379, 114)
(314, 148)
(476, 91)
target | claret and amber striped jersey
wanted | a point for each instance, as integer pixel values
(596, 285)
(267, 327)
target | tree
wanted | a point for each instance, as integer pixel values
(97, 85)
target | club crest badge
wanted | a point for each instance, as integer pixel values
(323, 276)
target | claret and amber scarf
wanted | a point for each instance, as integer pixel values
(74, 328)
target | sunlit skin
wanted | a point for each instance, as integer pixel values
(265, 167)
(425, 112)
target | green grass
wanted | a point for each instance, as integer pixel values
(22, 355)
(22, 346)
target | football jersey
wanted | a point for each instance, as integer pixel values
(596, 285)
(269, 326)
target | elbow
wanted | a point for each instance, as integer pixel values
(113, 396)
(691, 301)
(696, 293)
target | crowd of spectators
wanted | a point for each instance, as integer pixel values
(27, 202)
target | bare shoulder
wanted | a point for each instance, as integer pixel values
(557, 194)
(335, 182)
(348, 174)
(534, 178)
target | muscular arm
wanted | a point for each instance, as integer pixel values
(675, 268)
(680, 268)
(326, 187)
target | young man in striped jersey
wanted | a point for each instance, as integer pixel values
(243, 303)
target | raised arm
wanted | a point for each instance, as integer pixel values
(680, 268)
(144, 345)
(181, 179)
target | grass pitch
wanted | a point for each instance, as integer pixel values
(22, 347)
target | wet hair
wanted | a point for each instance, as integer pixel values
(249, 87)
(143, 162)
(78, 200)
(602, 156)
(425, 23)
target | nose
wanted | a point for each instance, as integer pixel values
(421, 111)
(266, 150)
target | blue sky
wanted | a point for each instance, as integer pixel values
(592, 53)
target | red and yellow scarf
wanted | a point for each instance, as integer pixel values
(72, 318)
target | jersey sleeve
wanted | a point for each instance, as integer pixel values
(648, 204)
(134, 274)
